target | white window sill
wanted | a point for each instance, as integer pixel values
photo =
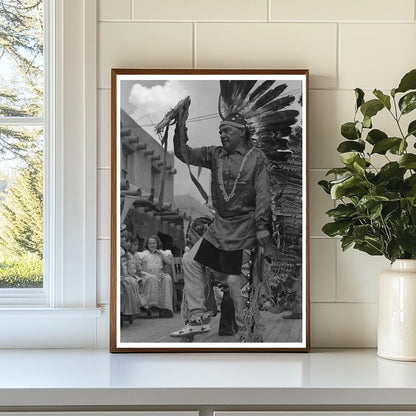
(40, 327)
(39, 311)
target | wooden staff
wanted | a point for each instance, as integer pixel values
(165, 151)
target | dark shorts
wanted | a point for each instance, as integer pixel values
(227, 262)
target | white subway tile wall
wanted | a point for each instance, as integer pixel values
(142, 45)
(201, 10)
(323, 269)
(104, 202)
(104, 128)
(103, 269)
(114, 10)
(270, 45)
(375, 55)
(355, 10)
(345, 44)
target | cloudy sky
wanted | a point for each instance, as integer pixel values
(148, 101)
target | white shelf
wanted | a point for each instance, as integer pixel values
(40, 378)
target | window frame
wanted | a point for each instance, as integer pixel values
(70, 191)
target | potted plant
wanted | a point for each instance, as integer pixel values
(376, 209)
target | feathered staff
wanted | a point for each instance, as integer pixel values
(178, 115)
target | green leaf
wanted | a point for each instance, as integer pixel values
(398, 149)
(336, 228)
(348, 158)
(408, 161)
(342, 211)
(393, 250)
(361, 231)
(359, 95)
(385, 99)
(346, 242)
(325, 186)
(349, 131)
(371, 108)
(375, 211)
(351, 187)
(349, 146)
(368, 248)
(407, 240)
(359, 166)
(374, 136)
(338, 171)
(338, 189)
(369, 201)
(408, 82)
(385, 144)
(411, 130)
(408, 102)
(391, 170)
(367, 122)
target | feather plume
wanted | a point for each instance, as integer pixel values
(260, 90)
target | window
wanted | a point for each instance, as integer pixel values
(64, 312)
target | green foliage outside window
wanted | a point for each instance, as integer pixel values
(21, 146)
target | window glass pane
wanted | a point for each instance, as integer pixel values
(21, 208)
(21, 58)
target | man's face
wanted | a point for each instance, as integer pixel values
(231, 137)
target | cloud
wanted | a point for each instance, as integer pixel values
(154, 102)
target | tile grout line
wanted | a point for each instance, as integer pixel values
(336, 272)
(131, 9)
(194, 62)
(254, 21)
(352, 302)
(269, 11)
(338, 63)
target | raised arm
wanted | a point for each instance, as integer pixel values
(197, 157)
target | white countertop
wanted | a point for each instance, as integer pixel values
(96, 377)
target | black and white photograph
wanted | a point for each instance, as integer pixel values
(209, 227)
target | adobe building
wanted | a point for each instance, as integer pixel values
(147, 183)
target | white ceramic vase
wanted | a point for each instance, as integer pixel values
(397, 312)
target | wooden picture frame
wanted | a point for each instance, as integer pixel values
(153, 194)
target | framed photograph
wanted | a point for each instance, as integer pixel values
(209, 211)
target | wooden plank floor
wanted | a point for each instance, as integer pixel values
(276, 329)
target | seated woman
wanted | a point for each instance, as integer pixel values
(153, 259)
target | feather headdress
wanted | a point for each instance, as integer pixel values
(263, 106)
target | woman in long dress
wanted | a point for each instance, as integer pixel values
(153, 260)
(129, 292)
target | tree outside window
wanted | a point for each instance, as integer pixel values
(21, 143)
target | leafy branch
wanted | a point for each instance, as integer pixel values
(376, 212)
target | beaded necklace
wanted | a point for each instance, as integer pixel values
(228, 197)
